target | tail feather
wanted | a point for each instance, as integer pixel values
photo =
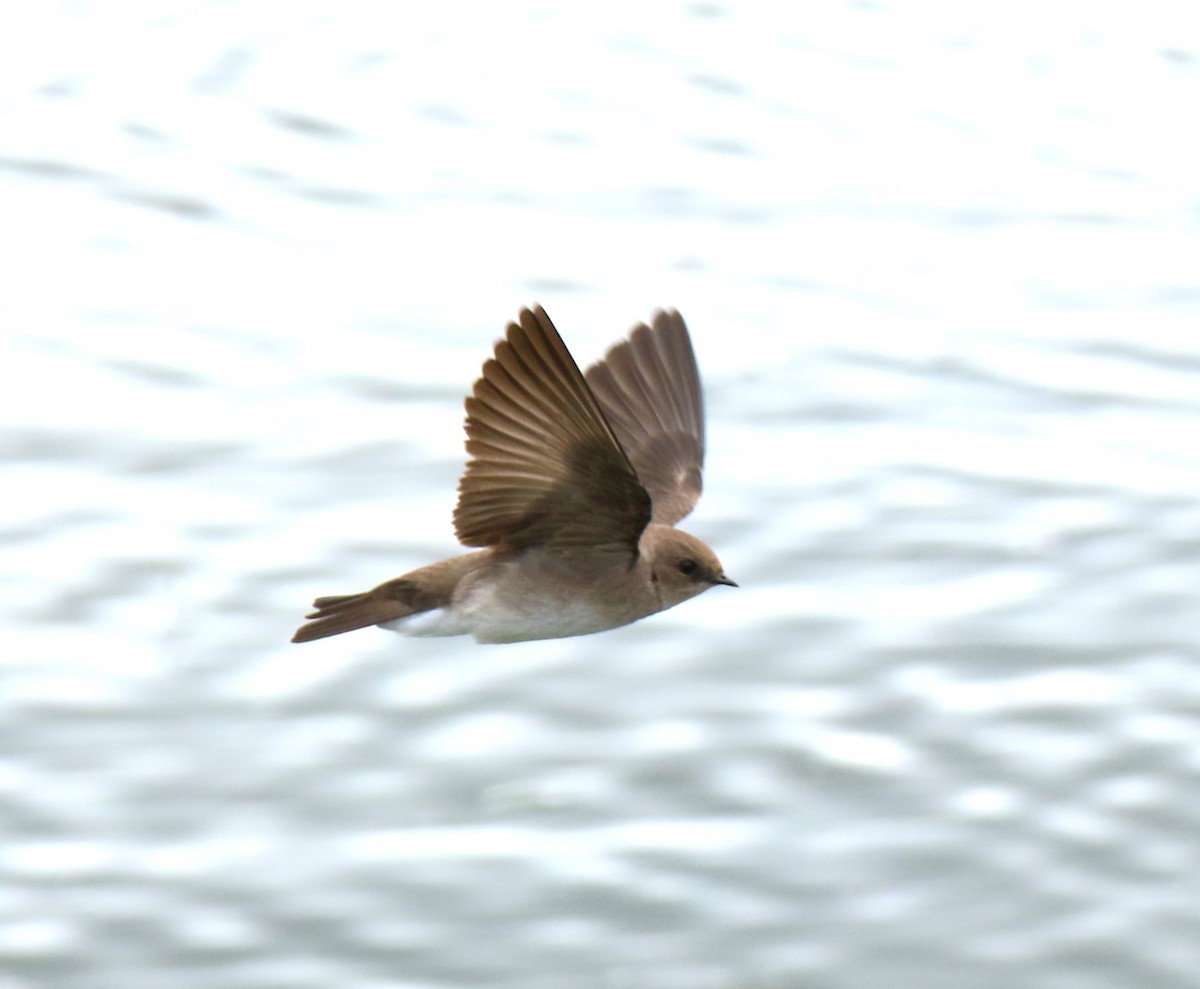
(420, 590)
(336, 602)
(349, 612)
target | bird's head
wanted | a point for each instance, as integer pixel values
(680, 564)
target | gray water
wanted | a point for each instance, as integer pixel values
(941, 263)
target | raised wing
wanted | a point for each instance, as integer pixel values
(545, 468)
(649, 389)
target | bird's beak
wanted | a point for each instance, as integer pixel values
(724, 580)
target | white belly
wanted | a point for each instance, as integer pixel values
(439, 621)
(491, 617)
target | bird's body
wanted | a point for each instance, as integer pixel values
(573, 490)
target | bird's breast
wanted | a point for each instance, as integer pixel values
(551, 597)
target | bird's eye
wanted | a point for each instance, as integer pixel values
(687, 566)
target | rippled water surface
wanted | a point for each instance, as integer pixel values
(940, 263)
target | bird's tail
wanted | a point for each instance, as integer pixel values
(346, 612)
(419, 590)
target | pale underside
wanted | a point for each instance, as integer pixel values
(539, 596)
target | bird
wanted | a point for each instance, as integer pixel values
(569, 499)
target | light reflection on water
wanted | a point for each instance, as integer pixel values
(946, 733)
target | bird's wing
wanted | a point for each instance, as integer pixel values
(649, 389)
(545, 467)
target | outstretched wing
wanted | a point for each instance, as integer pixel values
(649, 389)
(545, 468)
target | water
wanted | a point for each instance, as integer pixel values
(940, 268)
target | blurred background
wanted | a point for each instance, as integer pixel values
(941, 264)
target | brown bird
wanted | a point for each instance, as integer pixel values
(573, 489)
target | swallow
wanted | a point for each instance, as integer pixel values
(569, 499)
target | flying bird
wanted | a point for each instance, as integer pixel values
(571, 494)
